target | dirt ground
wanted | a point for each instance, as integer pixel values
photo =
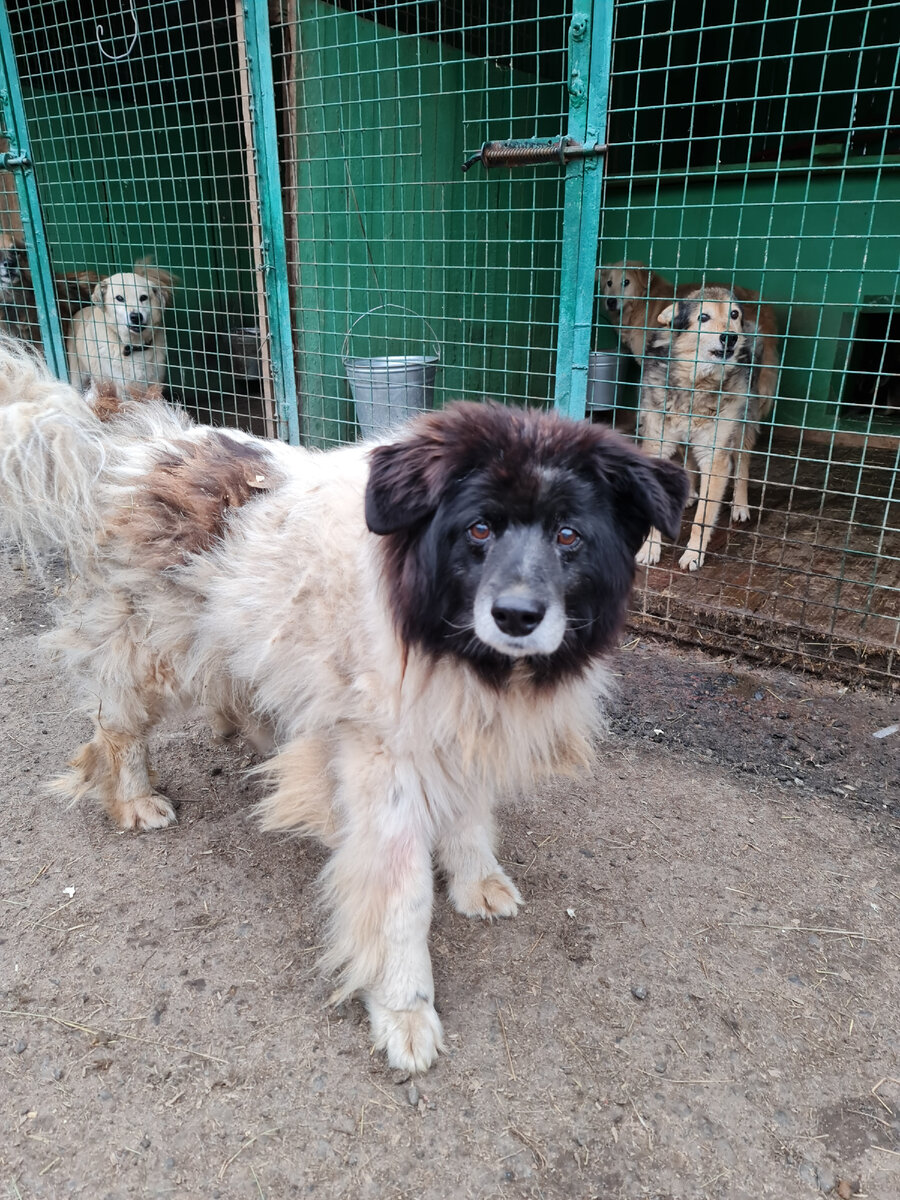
(701, 997)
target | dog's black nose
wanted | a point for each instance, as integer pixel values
(136, 318)
(612, 302)
(728, 340)
(517, 616)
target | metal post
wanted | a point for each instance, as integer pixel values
(590, 50)
(19, 162)
(273, 249)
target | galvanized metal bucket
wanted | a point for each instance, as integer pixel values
(389, 389)
(602, 379)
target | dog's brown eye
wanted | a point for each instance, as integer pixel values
(479, 532)
(567, 537)
(704, 317)
(121, 299)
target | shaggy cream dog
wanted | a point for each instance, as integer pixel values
(418, 626)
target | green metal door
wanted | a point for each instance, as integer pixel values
(151, 134)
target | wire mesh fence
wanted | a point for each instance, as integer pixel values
(140, 134)
(760, 149)
(394, 252)
(756, 150)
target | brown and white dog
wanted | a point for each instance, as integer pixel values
(121, 336)
(697, 392)
(635, 299)
(18, 309)
(632, 297)
(420, 625)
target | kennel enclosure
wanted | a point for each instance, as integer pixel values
(298, 167)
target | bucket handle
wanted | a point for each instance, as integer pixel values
(380, 308)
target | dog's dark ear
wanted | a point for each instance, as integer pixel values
(648, 492)
(398, 494)
(658, 490)
(408, 477)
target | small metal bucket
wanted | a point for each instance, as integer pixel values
(602, 379)
(389, 389)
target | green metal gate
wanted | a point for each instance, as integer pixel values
(149, 134)
(392, 248)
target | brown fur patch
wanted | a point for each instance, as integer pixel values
(182, 505)
(106, 399)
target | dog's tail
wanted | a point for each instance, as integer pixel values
(51, 456)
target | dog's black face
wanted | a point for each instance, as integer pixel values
(511, 535)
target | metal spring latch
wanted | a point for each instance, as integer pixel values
(527, 153)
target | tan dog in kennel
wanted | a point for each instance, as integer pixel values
(635, 299)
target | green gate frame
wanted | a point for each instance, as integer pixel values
(18, 161)
(590, 59)
(271, 216)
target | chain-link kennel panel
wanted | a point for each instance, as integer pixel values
(758, 149)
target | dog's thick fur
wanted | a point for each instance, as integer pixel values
(18, 308)
(120, 337)
(697, 393)
(417, 625)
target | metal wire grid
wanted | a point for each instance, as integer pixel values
(138, 117)
(763, 150)
(394, 252)
(730, 159)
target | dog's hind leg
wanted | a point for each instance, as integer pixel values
(114, 768)
(130, 684)
(379, 884)
(477, 884)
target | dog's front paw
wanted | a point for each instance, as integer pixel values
(411, 1038)
(691, 560)
(648, 555)
(493, 896)
(152, 811)
(740, 512)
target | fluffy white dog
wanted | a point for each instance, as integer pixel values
(419, 624)
(121, 337)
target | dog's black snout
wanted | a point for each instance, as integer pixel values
(728, 340)
(136, 318)
(517, 616)
(612, 302)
